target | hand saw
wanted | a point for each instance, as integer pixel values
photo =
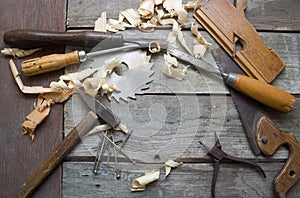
(262, 134)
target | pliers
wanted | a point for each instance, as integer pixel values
(219, 155)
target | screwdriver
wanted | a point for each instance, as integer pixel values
(258, 90)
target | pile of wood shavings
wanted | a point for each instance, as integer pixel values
(152, 13)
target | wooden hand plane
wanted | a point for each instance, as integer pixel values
(228, 25)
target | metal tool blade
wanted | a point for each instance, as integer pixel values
(249, 110)
(197, 63)
(100, 109)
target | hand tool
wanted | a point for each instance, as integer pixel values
(56, 157)
(260, 91)
(262, 134)
(219, 155)
(227, 23)
(101, 110)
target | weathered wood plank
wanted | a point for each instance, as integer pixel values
(19, 156)
(189, 180)
(263, 14)
(171, 126)
(287, 45)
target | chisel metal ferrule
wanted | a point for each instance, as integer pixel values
(230, 79)
(82, 56)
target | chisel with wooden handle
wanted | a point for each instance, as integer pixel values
(260, 91)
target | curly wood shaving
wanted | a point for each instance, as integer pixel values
(192, 5)
(170, 69)
(162, 17)
(98, 81)
(177, 34)
(139, 184)
(200, 45)
(132, 16)
(146, 9)
(158, 2)
(177, 8)
(18, 53)
(100, 23)
(171, 164)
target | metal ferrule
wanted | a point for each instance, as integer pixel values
(231, 78)
(82, 56)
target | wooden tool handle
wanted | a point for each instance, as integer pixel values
(262, 92)
(28, 38)
(269, 140)
(53, 160)
(49, 63)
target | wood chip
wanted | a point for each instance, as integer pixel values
(200, 45)
(171, 164)
(139, 184)
(18, 53)
(170, 69)
(100, 23)
(146, 9)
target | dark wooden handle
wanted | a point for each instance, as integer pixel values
(54, 159)
(49, 63)
(269, 140)
(28, 38)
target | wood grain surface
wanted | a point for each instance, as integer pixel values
(19, 156)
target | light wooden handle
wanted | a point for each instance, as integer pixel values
(49, 63)
(269, 140)
(53, 160)
(262, 92)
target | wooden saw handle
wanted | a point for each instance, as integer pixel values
(49, 63)
(269, 140)
(53, 160)
(262, 92)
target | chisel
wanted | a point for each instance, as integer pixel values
(258, 90)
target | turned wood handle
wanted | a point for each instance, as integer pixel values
(28, 38)
(262, 92)
(54, 159)
(49, 63)
(269, 140)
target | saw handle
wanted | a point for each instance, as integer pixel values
(269, 140)
(29, 38)
(49, 63)
(262, 92)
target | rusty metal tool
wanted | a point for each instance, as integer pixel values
(263, 136)
(219, 155)
(57, 155)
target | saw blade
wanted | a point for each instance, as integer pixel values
(249, 110)
(135, 80)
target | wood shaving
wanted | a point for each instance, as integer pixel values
(176, 7)
(158, 2)
(200, 45)
(177, 34)
(18, 53)
(57, 93)
(105, 127)
(170, 69)
(146, 9)
(98, 82)
(171, 164)
(139, 184)
(132, 16)
(100, 23)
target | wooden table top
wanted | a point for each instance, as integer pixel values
(167, 120)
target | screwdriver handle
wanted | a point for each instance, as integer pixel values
(50, 63)
(30, 38)
(262, 92)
